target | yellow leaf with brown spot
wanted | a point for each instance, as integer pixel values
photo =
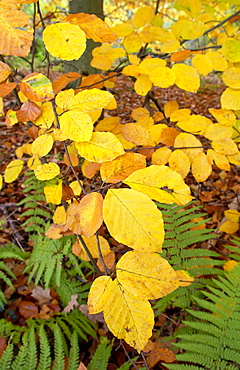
(121, 167)
(179, 162)
(89, 169)
(123, 211)
(47, 171)
(146, 276)
(152, 179)
(37, 87)
(12, 170)
(64, 40)
(201, 167)
(135, 319)
(103, 147)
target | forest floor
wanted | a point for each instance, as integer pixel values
(220, 192)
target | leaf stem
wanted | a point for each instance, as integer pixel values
(80, 238)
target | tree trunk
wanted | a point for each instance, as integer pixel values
(82, 65)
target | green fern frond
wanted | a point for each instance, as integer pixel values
(101, 356)
(59, 363)
(5, 361)
(45, 354)
(198, 262)
(73, 361)
(214, 332)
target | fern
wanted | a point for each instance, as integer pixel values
(235, 249)
(6, 274)
(5, 361)
(73, 361)
(36, 216)
(101, 356)
(198, 262)
(212, 338)
(45, 358)
(47, 258)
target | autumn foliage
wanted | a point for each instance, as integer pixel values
(136, 163)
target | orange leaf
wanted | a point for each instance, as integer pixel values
(3, 345)
(95, 80)
(27, 309)
(4, 71)
(169, 135)
(37, 87)
(63, 80)
(179, 56)
(73, 218)
(29, 111)
(90, 210)
(109, 261)
(94, 27)
(160, 354)
(89, 169)
(5, 89)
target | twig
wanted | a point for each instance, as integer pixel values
(16, 234)
(80, 238)
(100, 254)
(43, 26)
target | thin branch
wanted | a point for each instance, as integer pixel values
(34, 38)
(221, 23)
(100, 254)
(80, 238)
(43, 26)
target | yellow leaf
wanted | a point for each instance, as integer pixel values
(162, 77)
(225, 146)
(187, 29)
(195, 124)
(46, 118)
(218, 60)
(1, 182)
(219, 159)
(136, 134)
(47, 171)
(134, 320)
(12, 170)
(90, 100)
(180, 115)
(132, 43)
(150, 180)
(234, 159)
(64, 98)
(89, 169)
(109, 262)
(103, 147)
(143, 16)
(123, 29)
(156, 132)
(179, 162)
(169, 42)
(231, 50)
(229, 227)
(92, 246)
(148, 64)
(231, 77)
(131, 70)
(146, 275)
(101, 62)
(64, 40)
(233, 215)
(76, 188)
(115, 53)
(224, 116)
(121, 167)
(4, 71)
(184, 140)
(76, 126)
(230, 99)
(15, 40)
(140, 113)
(59, 216)
(201, 167)
(170, 107)
(42, 145)
(110, 124)
(202, 64)
(229, 265)
(218, 132)
(53, 193)
(32, 163)
(142, 85)
(187, 77)
(124, 213)
(161, 156)
(94, 27)
(90, 209)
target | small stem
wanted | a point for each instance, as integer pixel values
(100, 254)
(73, 169)
(80, 238)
